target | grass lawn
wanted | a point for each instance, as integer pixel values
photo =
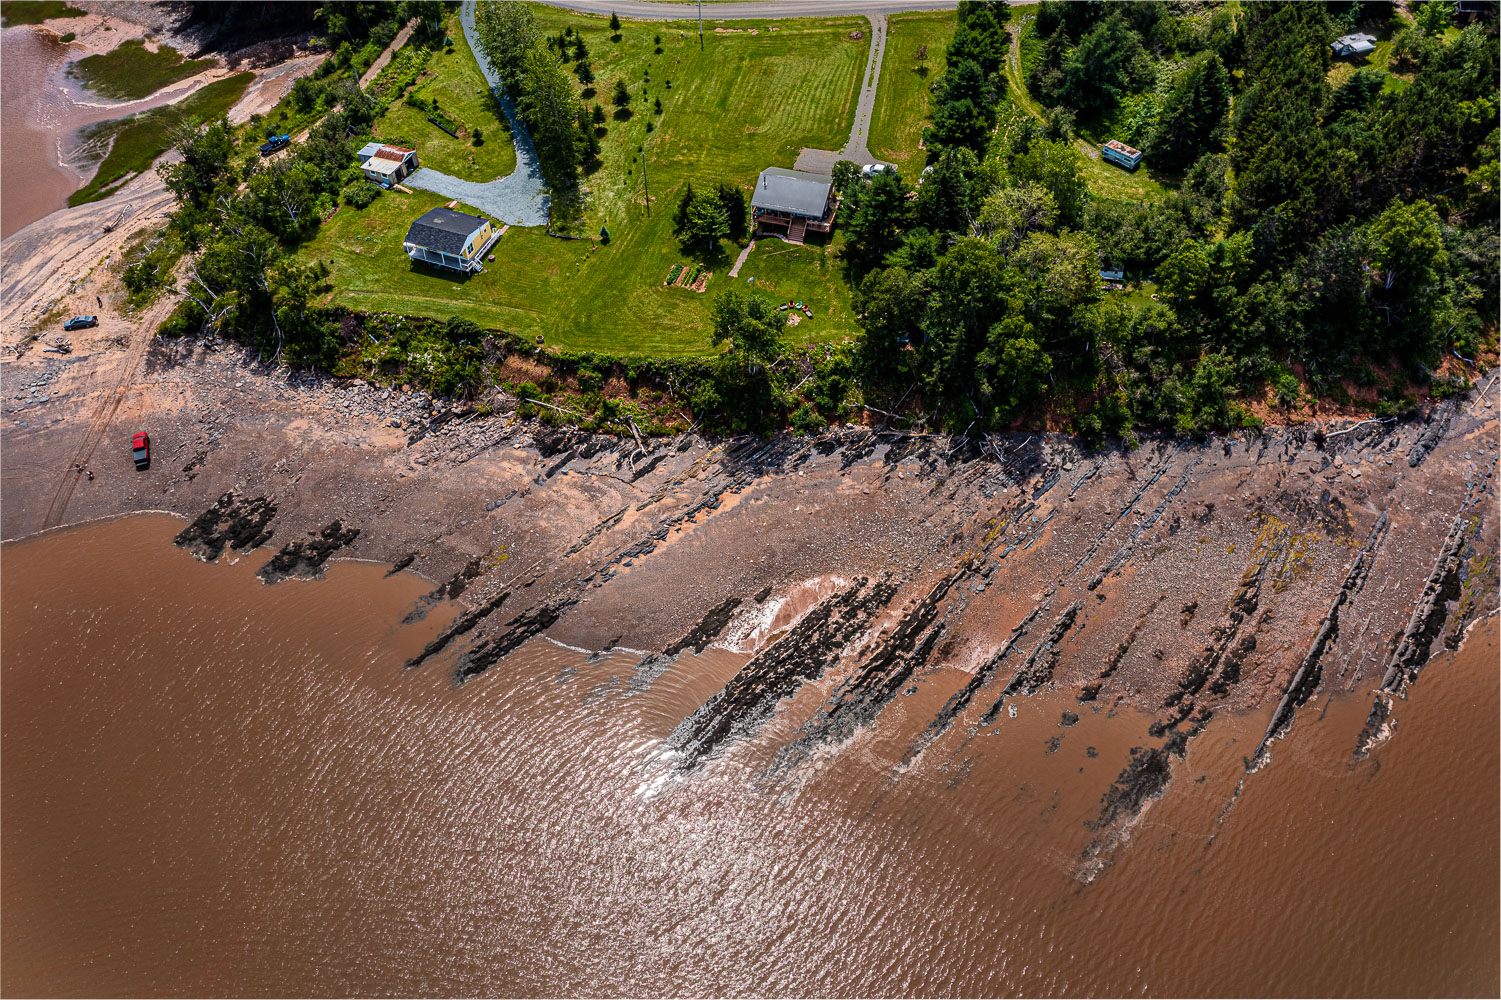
(748, 101)
(455, 82)
(902, 98)
(131, 71)
(34, 11)
(140, 138)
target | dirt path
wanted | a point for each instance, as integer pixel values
(385, 57)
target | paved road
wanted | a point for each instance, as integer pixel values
(649, 10)
(519, 198)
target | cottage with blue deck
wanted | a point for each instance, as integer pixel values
(450, 239)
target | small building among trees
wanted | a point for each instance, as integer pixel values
(450, 239)
(1353, 45)
(795, 201)
(1120, 154)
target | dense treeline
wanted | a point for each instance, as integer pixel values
(1339, 232)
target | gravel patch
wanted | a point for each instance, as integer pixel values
(519, 198)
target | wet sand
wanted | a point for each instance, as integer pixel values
(213, 786)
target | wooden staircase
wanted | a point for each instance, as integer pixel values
(796, 230)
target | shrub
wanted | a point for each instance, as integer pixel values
(1287, 390)
(589, 380)
(806, 420)
(65, 39)
(361, 194)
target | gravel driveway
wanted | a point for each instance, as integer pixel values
(519, 198)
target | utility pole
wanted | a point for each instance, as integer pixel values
(700, 25)
(644, 184)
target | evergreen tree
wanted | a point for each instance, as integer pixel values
(680, 217)
(733, 200)
(507, 31)
(879, 220)
(1279, 155)
(550, 110)
(1192, 118)
(1106, 63)
(943, 198)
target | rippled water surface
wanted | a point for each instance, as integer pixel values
(211, 786)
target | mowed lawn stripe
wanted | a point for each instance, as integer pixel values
(902, 96)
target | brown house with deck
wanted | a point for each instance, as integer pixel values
(793, 201)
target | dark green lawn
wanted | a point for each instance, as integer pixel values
(131, 71)
(749, 101)
(902, 97)
(140, 138)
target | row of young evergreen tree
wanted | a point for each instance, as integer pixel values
(529, 66)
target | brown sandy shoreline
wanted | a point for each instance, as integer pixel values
(728, 517)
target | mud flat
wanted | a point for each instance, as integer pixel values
(1181, 578)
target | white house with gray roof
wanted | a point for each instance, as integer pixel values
(795, 201)
(450, 239)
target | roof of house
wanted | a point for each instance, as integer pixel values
(382, 164)
(385, 152)
(1355, 43)
(795, 191)
(1120, 147)
(443, 230)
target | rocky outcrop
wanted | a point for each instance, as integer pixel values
(304, 558)
(1305, 679)
(809, 648)
(233, 521)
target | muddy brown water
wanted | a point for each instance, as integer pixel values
(43, 113)
(212, 786)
